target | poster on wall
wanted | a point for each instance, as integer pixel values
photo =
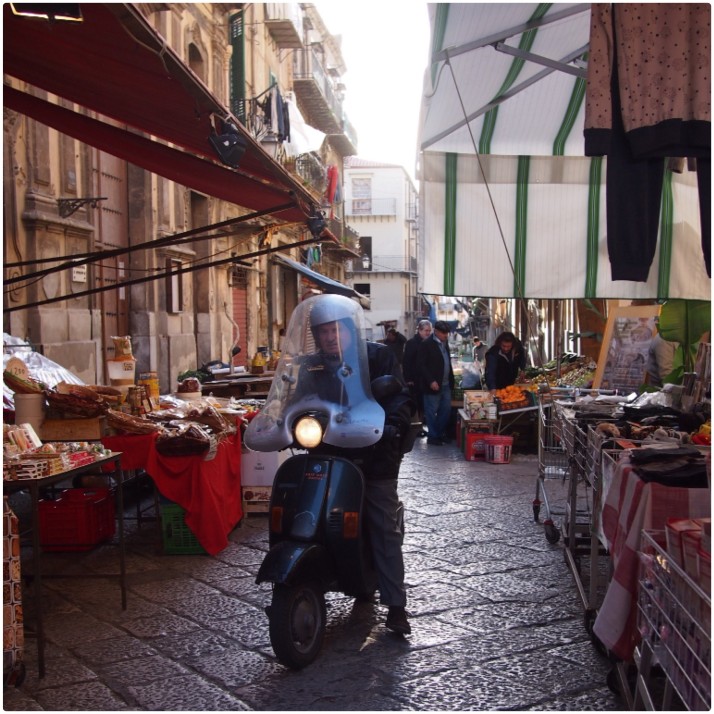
(622, 364)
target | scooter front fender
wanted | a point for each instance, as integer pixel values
(288, 562)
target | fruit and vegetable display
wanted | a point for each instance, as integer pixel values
(575, 371)
(514, 397)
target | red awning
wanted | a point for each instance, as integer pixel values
(116, 64)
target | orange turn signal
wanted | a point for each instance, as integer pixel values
(350, 524)
(276, 519)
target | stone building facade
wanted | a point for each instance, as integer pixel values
(140, 229)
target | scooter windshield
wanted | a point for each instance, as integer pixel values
(322, 370)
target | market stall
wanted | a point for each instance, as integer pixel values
(189, 446)
(633, 465)
(209, 490)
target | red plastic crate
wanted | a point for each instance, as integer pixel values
(475, 446)
(78, 519)
(498, 449)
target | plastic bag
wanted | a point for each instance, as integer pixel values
(471, 375)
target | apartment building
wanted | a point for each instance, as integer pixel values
(381, 205)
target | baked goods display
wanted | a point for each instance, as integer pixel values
(182, 426)
(26, 457)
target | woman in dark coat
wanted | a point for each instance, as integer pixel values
(504, 361)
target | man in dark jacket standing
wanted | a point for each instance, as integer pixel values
(436, 382)
(410, 365)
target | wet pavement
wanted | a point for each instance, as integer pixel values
(497, 622)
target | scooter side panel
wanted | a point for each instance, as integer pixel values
(351, 555)
(289, 562)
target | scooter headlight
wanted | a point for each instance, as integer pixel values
(308, 432)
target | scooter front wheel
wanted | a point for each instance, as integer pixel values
(297, 623)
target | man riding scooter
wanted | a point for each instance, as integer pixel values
(336, 335)
(352, 393)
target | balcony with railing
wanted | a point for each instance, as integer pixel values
(393, 264)
(311, 171)
(315, 96)
(371, 207)
(348, 246)
(284, 23)
(346, 142)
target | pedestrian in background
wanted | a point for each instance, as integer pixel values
(411, 370)
(479, 350)
(504, 362)
(395, 341)
(436, 381)
(660, 360)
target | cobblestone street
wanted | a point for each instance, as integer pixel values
(497, 622)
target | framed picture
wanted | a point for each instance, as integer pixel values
(624, 354)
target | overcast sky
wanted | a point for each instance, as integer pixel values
(385, 46)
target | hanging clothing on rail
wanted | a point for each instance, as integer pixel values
(277, 118)
(648, 98)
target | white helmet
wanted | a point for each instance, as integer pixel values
(329, 308)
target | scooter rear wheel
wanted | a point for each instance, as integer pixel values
(297, 623)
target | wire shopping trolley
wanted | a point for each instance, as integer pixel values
(674, 623)
(552, 464)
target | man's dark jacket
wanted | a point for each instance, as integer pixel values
(430, 365)
(409, 362)
(500, 370)
(381, 461)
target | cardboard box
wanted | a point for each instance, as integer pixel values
(675, 528)
(475, 404)
(256, 499)
(475, 396)
(258, 468)
(74, 429)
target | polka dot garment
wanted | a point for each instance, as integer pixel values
(663, 54)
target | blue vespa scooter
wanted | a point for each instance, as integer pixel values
(317, 539)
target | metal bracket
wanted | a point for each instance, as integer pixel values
(68, 206)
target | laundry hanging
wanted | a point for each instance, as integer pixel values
(648, 98)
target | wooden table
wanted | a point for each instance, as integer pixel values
(34, 486)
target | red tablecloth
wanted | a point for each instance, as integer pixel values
(209, 491)
(631, 506)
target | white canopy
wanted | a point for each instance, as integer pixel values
(510, 205)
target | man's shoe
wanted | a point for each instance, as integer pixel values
(435, 442)
(397, 620)
(423, 433)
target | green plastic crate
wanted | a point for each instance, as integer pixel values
(178, 537)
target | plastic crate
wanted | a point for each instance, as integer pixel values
(78, 519)
(498, 449)
(475, 445)
(178, 538)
